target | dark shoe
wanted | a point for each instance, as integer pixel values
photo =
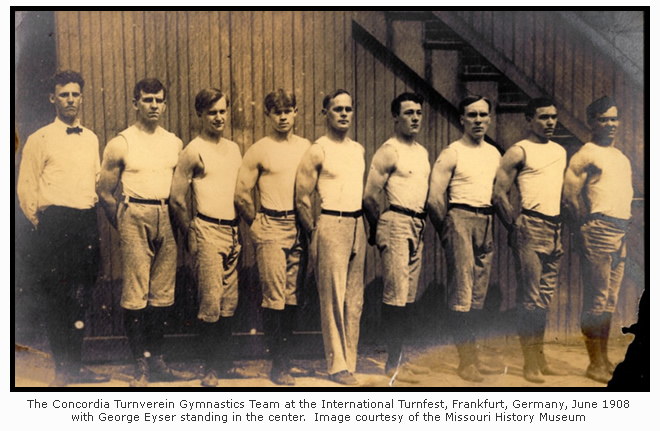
(282, 376)
(487, 368)
(598, 373)
(344, 378)
(141, 379)
(85, 375)
(609, 367)
(418, 369)
(402, 374)
(60, 380)
(210, 379)
(161, 372)
(547, 370)
(532, 374)
(470, 373)
(531, 368)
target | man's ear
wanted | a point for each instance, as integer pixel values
(324, 111)
(51, 97)
(135, 104)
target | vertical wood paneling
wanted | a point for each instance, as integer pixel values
(538, 62)
(309, 80)
(248, 54)
(183, 97)
(298, 36)
(269, 81)
(173, 80)
(87, 73)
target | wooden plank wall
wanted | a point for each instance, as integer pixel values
(569, 67)
(245, 53)
(249, 53)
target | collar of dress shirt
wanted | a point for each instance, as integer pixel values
(62, 125)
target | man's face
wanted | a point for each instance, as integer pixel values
(476, 119)
(67, 100)
(604, 125)
(282, 119)
(151, 106)
(214, 118)
(544, 122)
(409, 120)
(340, 112)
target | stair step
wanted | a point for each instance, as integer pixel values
(481, 76)
(438, 36)
(404, 15)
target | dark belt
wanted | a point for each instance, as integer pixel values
(233, 222)
(621, 223)
(408, 212)
(552, 219)
(148, 201)
(353, 214)
(476, 210)
(274, 213)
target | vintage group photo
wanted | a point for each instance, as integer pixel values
(338, 199)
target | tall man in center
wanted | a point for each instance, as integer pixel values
(401, 168)
(465, 170)
(270, 166)
(334, 167)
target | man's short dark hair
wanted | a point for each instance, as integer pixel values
(534, 104)
(66, 76)
(328, 98)
(600, 106)
(404, 97)
(280, 99)
(208, 97)
(470, 100)
(149, 86)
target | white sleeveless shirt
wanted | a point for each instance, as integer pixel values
(609, 188)
(408, 185)
(542, 177)
(474, 175)
(341, 179)
(149, 163)
(213, 190)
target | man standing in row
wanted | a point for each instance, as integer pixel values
(465, 170)
(334, 167)
(143, 158)
(601, 175)
(59, 168)
(270, 166)
(401, 168)
(208, 168)
(536, 164)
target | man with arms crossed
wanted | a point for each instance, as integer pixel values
(401, 168)
(334, 167)
(598, 193)
(208, 168)
(536, 164)
(143, 158)
(270, 165)
(465, 170)
(58, 173)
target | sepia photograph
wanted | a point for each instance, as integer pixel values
(331, 199)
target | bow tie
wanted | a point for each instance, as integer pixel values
(70, 130)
